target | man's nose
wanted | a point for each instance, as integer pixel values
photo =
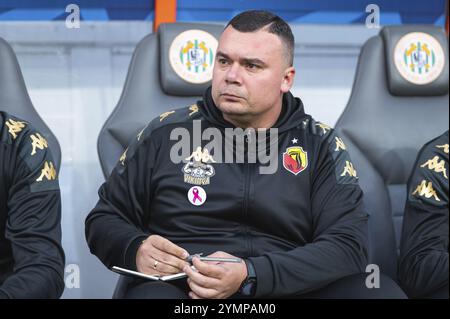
(233, 74)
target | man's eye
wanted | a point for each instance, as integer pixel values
(223, 61)
(252, 66)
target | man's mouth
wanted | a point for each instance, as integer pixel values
(231, 97)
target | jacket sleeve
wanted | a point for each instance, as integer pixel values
(115, 227)
(423, 266)
(34, 223)
(339, 222)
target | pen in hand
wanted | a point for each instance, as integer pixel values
(218, 259)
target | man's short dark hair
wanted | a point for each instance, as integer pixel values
(254, 20)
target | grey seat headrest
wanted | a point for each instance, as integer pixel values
(416, 60)
(187, 53)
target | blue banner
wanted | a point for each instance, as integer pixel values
(298, 11)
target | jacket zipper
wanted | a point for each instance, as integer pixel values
(247, 176)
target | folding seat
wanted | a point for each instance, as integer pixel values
(169, 69)
(399, 101)
(14, 98)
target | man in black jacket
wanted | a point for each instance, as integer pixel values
(297, 228)
(31, 256)
(423, 267)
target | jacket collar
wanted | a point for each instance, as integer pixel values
(291, 114)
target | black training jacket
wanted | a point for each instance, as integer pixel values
(31, 257)
(302, 227)
(423, 266)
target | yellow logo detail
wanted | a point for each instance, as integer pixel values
(435, 165)
(188, 46)
(324, 127)
(349, 170)
(123, 157)
(38, 142)
(164, 115)
(140, 133)
(426, 190)
(15, 127)
(339, 144)
(48, 172)
(193, 108)
(445, 147)
(200, 156)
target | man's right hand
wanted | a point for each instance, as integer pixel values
(159, 256)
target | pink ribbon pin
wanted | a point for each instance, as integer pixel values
(196, 195)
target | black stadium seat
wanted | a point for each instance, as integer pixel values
(15, 100)
(153, 87)
(399, 101)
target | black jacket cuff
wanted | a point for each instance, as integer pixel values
(131, 252)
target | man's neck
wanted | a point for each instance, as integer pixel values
(263, 120)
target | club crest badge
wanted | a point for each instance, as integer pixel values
(419, 58)
(191, 56)
(295, 159)
(198, 170)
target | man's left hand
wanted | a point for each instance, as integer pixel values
(215, 280)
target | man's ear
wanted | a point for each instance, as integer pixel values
(288, 79)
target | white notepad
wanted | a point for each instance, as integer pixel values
(128, 272)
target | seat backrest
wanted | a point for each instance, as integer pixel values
(15, 100)
(399, 101)
(169, 69)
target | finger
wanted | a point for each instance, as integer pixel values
(221, 254)
(155, 267)
(202, 292)
(192, 295)
(167, 246)
(200, 279)
(209, 270)
(150, 270)
(167, 258)
(162, 267)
